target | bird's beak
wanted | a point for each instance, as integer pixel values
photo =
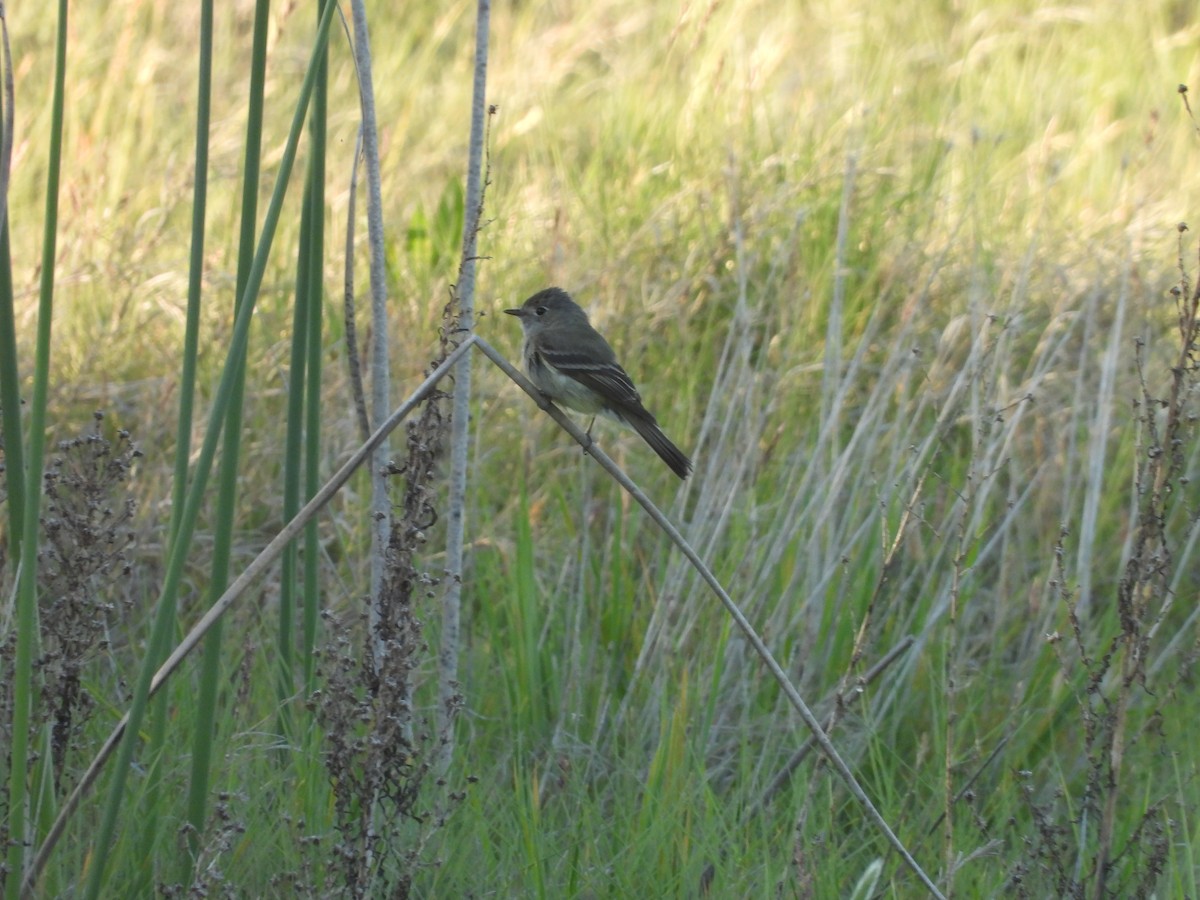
(515, 312)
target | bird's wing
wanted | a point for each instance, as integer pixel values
(604, 376)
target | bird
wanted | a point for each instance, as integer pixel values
(570, 362)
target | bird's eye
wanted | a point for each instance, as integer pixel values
(541, 310)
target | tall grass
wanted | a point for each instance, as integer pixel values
(897, 278)
(24, 639)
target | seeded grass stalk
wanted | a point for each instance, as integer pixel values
(27, 598)
(1142, 602)
(225, 393)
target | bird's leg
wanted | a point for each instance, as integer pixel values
(589, 443)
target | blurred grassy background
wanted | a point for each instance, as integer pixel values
(866, 261)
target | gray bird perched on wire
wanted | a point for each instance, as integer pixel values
(571, 363)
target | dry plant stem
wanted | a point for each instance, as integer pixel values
(460, 420)
(381, 507)
(265, 559)
(889, 563)
(1140, 586)
(731, 607)
(350, 314)
(962, 791)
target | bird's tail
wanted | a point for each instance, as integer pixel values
(661, 444)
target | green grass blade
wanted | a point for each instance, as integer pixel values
(315, 210)
(202, 745)
(187, 393)
(293, 462)
(10, 400)
(10, 391)
(22, 687)
(302, 446)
